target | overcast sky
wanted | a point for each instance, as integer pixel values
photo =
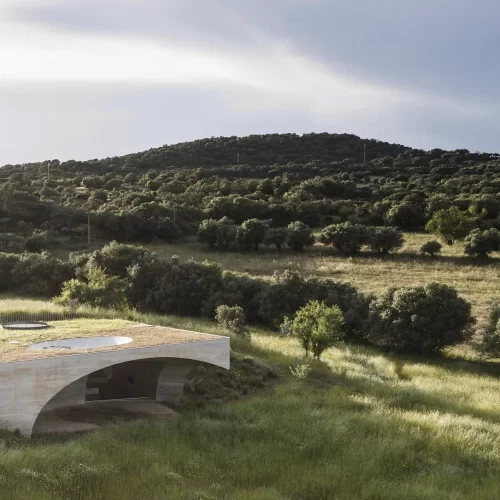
(87, 79)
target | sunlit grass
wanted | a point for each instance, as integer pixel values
(364, 425)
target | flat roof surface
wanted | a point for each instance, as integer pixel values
(143, 336)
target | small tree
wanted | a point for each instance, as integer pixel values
(385, 239)
(318, 327)
(451, 224)
(431, 247)
(233, 319)
(299, 236)
(481, 243)
(421, 319)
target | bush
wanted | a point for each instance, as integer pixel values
(422, 319)
(490, 345)
(233, 319)
(100, 290)
(299, 236)
(318, 327)
(289, 291)
(251, 234)
(348, 238)
(115, 258)
(33, 273)
(385, 239)
(481, 243)
(431, 247)
(275, 236)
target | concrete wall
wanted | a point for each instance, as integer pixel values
(27, 386)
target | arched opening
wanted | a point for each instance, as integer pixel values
(116, 393)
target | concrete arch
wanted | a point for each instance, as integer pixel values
(30, 386)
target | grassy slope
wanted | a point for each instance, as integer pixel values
(364, 425)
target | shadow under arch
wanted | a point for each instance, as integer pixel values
(161, 379)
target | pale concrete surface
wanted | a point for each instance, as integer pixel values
(28, 386)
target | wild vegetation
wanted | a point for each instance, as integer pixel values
(383, 271)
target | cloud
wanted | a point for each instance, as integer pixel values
(129, 74)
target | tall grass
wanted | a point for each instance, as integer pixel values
(363, 425)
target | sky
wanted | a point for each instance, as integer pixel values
(84, 79)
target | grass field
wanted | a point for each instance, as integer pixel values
(477, 282)
(362, 425)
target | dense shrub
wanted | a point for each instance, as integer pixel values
(481, 243)
(251, 234)
(33, 273)
(318, 327)
(299, 236)
(100, 290)
(348, 238)
(490, 344)
(236, 289)
(233, 319)
(420, 319)
(289, 291)
(172, 287)
(115, 258)
(275, 236)
(431, 247)
(385, 239)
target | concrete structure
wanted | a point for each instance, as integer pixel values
(30, 386)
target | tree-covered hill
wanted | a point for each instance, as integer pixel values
(318, 179)
(252, 150)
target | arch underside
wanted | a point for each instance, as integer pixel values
(160, 379)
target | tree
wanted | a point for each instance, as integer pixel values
(299, 236)
(348, 238)
(481, 243)
(385, 239)
(431, 247)
(451, 224)
(251, 233)
(233, 319)
(421, 319)
(406, 215)
(275, 236)
(207, 232)
(318, 327)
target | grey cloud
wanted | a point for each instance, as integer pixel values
(438, 47)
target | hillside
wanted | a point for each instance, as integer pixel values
(165, 193)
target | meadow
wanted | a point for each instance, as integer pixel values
(476, 281)
(360, 424)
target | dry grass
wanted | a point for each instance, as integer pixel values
(144, 336)
(476, 282)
